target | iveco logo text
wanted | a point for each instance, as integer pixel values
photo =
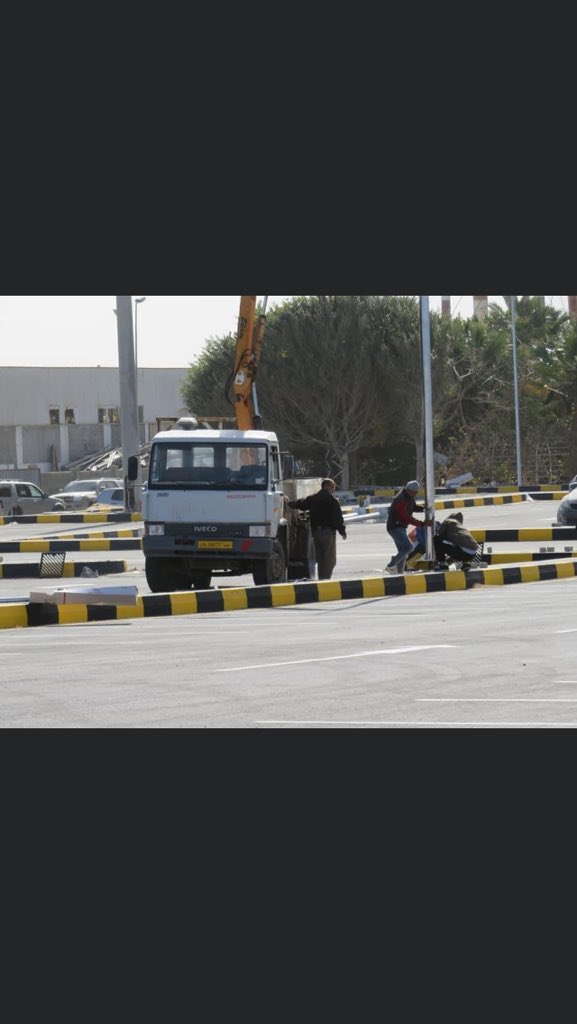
(204, 529)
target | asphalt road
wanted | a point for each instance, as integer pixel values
(490, 657)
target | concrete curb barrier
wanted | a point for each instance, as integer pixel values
(448, 503)
(112, 535)
(13, 616)
(75, 517)
(506, 557)
(494, 499)
(564, 533)
(30, 546)
(503, 557)
(31, 570)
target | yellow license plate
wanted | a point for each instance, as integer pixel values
(204, 544)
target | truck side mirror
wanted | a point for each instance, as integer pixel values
(287, 465)
(132, 473)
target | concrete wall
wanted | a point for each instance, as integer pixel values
(7, 447)
(39, 445)
(53, 483)
(85, 439)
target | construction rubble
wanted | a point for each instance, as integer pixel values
(107, 461)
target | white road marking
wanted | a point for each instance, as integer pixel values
(496, 700)
(121, 642)
(338, 657)
(428, 725)
(566, 631)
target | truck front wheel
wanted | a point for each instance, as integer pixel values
(273, 569)
(164, 575)
(201, 580)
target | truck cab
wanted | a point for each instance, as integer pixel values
(214, 503)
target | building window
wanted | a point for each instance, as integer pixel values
(69, 416)
(141, 414)
(54, 416)
(109, 415)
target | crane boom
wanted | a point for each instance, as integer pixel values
(249, 341)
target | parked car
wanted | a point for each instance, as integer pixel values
(79, 494)
(567, 511)
(21, 498)
(109, 498)
(572, 483)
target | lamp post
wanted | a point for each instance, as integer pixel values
(516, 384)
(128, 402)
(136, 305)
(428, 422)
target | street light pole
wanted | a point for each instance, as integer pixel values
(428, 422)
(128, 402)
(136, 305)
(516, 384)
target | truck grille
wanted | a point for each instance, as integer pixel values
(186, 532)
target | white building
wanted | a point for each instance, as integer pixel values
(50, 416)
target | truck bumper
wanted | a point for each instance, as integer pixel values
(221, 551)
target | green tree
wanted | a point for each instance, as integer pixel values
(203, 391)
(322, 379)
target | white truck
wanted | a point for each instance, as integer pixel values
(213, 504)
(214, 500)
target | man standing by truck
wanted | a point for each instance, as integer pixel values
(326, 519)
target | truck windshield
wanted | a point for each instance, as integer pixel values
(188, 465)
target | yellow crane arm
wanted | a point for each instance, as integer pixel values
(248, 349)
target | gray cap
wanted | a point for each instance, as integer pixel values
(413, 485)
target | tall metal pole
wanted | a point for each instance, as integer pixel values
(128, 403)
(428, 421)
(516, 384)
(136, 305)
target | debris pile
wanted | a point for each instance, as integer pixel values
(108, 460)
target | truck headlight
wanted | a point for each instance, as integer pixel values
(258, 531)
(155, 529)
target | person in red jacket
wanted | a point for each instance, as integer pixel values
(400, 517)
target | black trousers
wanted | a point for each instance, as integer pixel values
(325, 551)
(445, 552)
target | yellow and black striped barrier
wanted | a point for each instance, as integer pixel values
(39, 545)
(505, 558)
(492, 499)
(565, 533)
(508, 489)
(537, 490)
(31, 570)
(473, 502)
(112, 535)
(75, 517)
(17, 615)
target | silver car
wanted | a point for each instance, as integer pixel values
(110, 497)
(22, 498)
(567, 511)
(79, 494)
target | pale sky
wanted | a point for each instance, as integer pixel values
(80, 330)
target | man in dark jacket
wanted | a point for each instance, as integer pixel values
(400, 517)
(453, 543)
(326, 521)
